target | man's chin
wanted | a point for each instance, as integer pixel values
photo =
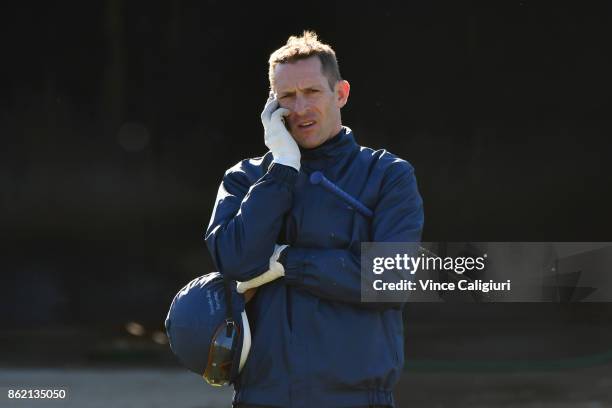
(306, 140)
(309, 142)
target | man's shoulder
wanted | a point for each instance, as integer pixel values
(250, 167)
(382, 160)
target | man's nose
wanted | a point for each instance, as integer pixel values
(300, 105)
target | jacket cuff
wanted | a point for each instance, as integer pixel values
(283, 174)
(282, 256)
(293, 264)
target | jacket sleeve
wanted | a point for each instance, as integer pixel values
(246, 220)
(335, 274)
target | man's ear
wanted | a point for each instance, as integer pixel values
(342, 90)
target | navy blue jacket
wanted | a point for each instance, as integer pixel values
(314, 343)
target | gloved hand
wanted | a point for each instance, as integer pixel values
(276, 136)
(276, 271)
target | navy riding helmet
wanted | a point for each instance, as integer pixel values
(206, 337)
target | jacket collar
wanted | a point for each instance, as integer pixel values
(334, 148)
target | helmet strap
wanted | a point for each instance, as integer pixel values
(229, 318)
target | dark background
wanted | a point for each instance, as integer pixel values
(118, 119)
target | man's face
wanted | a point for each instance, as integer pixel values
(314, 108)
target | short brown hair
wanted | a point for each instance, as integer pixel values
(306, 46)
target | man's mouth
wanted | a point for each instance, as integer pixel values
(306, 124)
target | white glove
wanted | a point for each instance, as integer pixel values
(277, 137)
(276, 271)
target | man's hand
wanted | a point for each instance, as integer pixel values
(277, 137)
(276, 271)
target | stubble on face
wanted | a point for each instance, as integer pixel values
(314, 114)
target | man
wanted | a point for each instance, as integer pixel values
(315, 343)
